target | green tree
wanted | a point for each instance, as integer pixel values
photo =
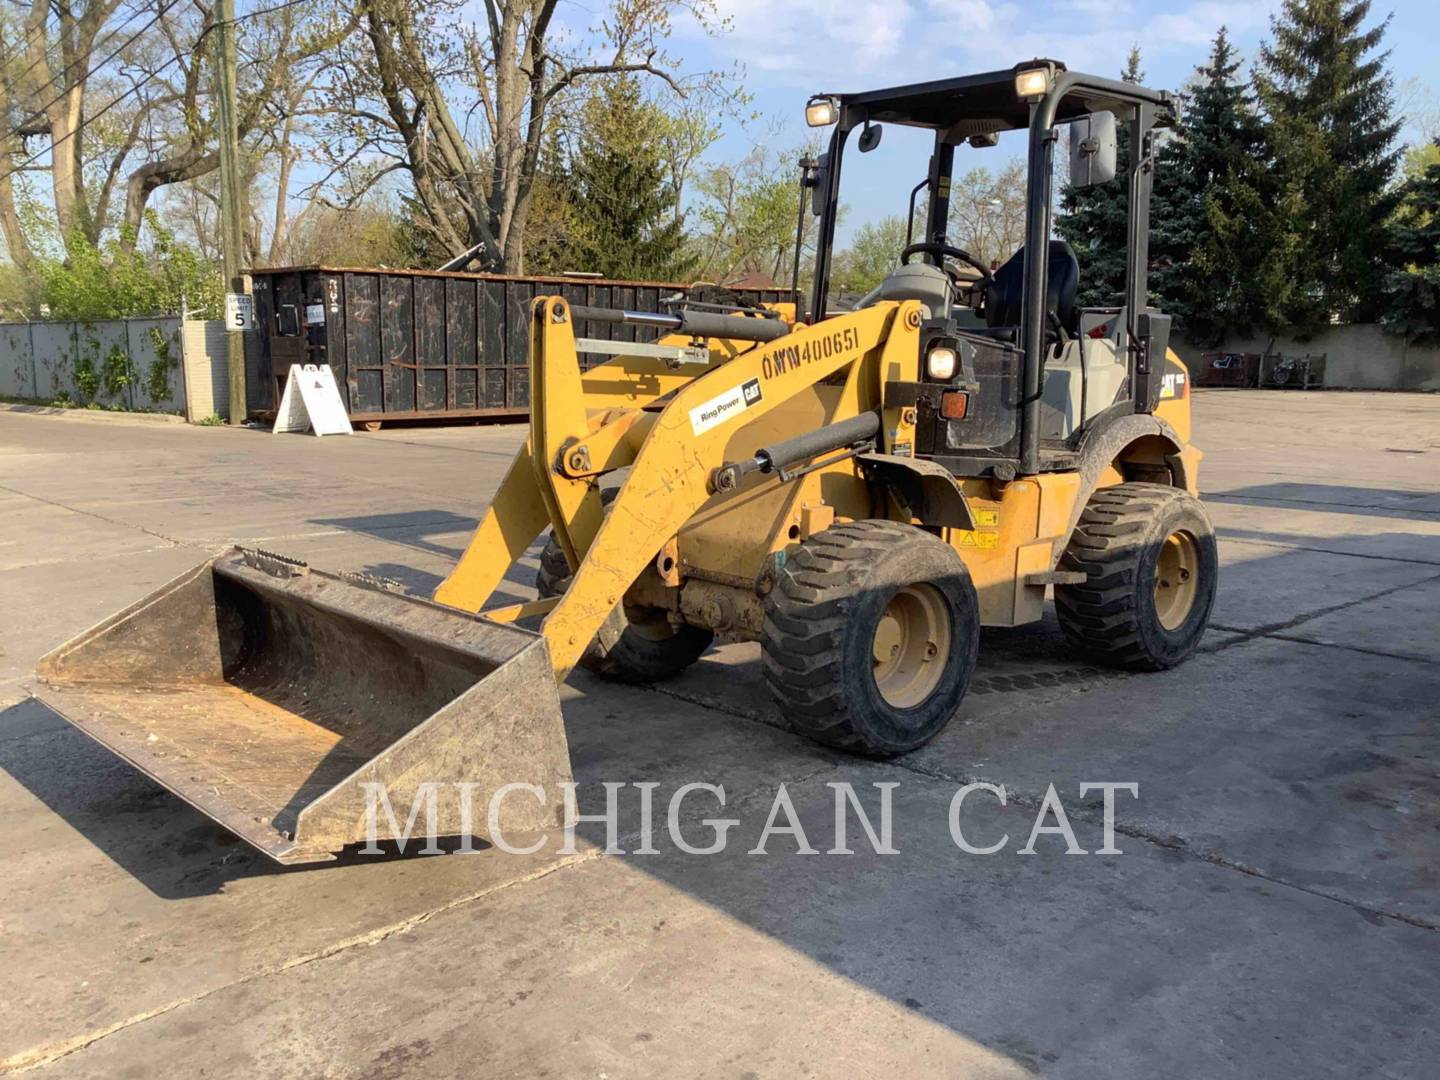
(1412, 291)
(1219, 253)
(628, 225)
(1421, 157)
(747, 213)
(1094, 220)
(554, 230)
(117, 279)
(1328, 97)
(873, 253)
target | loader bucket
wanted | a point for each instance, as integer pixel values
(269, 696)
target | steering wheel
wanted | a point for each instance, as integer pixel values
(942, 251)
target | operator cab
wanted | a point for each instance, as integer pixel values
(1036, 371)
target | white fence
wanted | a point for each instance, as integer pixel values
(144, 363)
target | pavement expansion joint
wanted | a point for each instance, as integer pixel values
(41, 1056)
(172, 541)
(1270, 629)
(1226, 534)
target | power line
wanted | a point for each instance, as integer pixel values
(66, 69)
(136, 88)
(45, 108)
(16, 53)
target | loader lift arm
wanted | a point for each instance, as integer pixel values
(671, 457)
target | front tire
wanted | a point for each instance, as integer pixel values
(1151, 564)
(870, 637)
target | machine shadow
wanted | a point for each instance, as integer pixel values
(415, 529)
(915, 927)
(171, 848)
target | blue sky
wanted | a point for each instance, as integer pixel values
(791, 48)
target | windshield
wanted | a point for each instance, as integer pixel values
(986, 215)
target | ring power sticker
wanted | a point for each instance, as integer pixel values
(724, 406)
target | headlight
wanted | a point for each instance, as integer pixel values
(940, 362)
(1032, 83)
(822, 112)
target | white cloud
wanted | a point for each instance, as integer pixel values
(807, 45)
(970, 16)
(812, 43)
(1196, 25)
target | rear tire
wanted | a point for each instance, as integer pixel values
(636, 644)
(870, 637)
(1148, 552)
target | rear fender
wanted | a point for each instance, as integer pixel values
(1132, 446)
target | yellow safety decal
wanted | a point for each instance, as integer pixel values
(986, 540)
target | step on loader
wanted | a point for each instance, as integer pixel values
(858, 490)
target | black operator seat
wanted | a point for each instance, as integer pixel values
(1003, 301)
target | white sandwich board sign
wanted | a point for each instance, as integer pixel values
(312, 402)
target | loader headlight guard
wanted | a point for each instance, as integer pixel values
(940, 362)
(821, 111)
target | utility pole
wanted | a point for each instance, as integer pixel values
(238, 312)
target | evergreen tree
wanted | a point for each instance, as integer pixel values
(554, 232)
(1218, 251)
(1093, 220)
(628, 222)
(1328, 98)
(1413, 290)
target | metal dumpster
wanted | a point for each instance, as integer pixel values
(418, 344)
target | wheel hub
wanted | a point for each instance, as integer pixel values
(1177, 577)
(911, 645)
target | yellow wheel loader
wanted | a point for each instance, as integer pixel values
(859, 491)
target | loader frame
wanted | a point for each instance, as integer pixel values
(678, 544)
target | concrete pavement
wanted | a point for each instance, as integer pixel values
(1274, 911)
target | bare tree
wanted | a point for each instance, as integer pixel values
(424, 86)
(278, 54)
(44, 85)
(111, 99)
(987, 212)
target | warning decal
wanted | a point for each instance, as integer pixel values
(724, 406)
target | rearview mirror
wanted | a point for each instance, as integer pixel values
(1092, 150)
(820, 185)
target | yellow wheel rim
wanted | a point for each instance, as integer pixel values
(1177, 579)
(911, 646)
